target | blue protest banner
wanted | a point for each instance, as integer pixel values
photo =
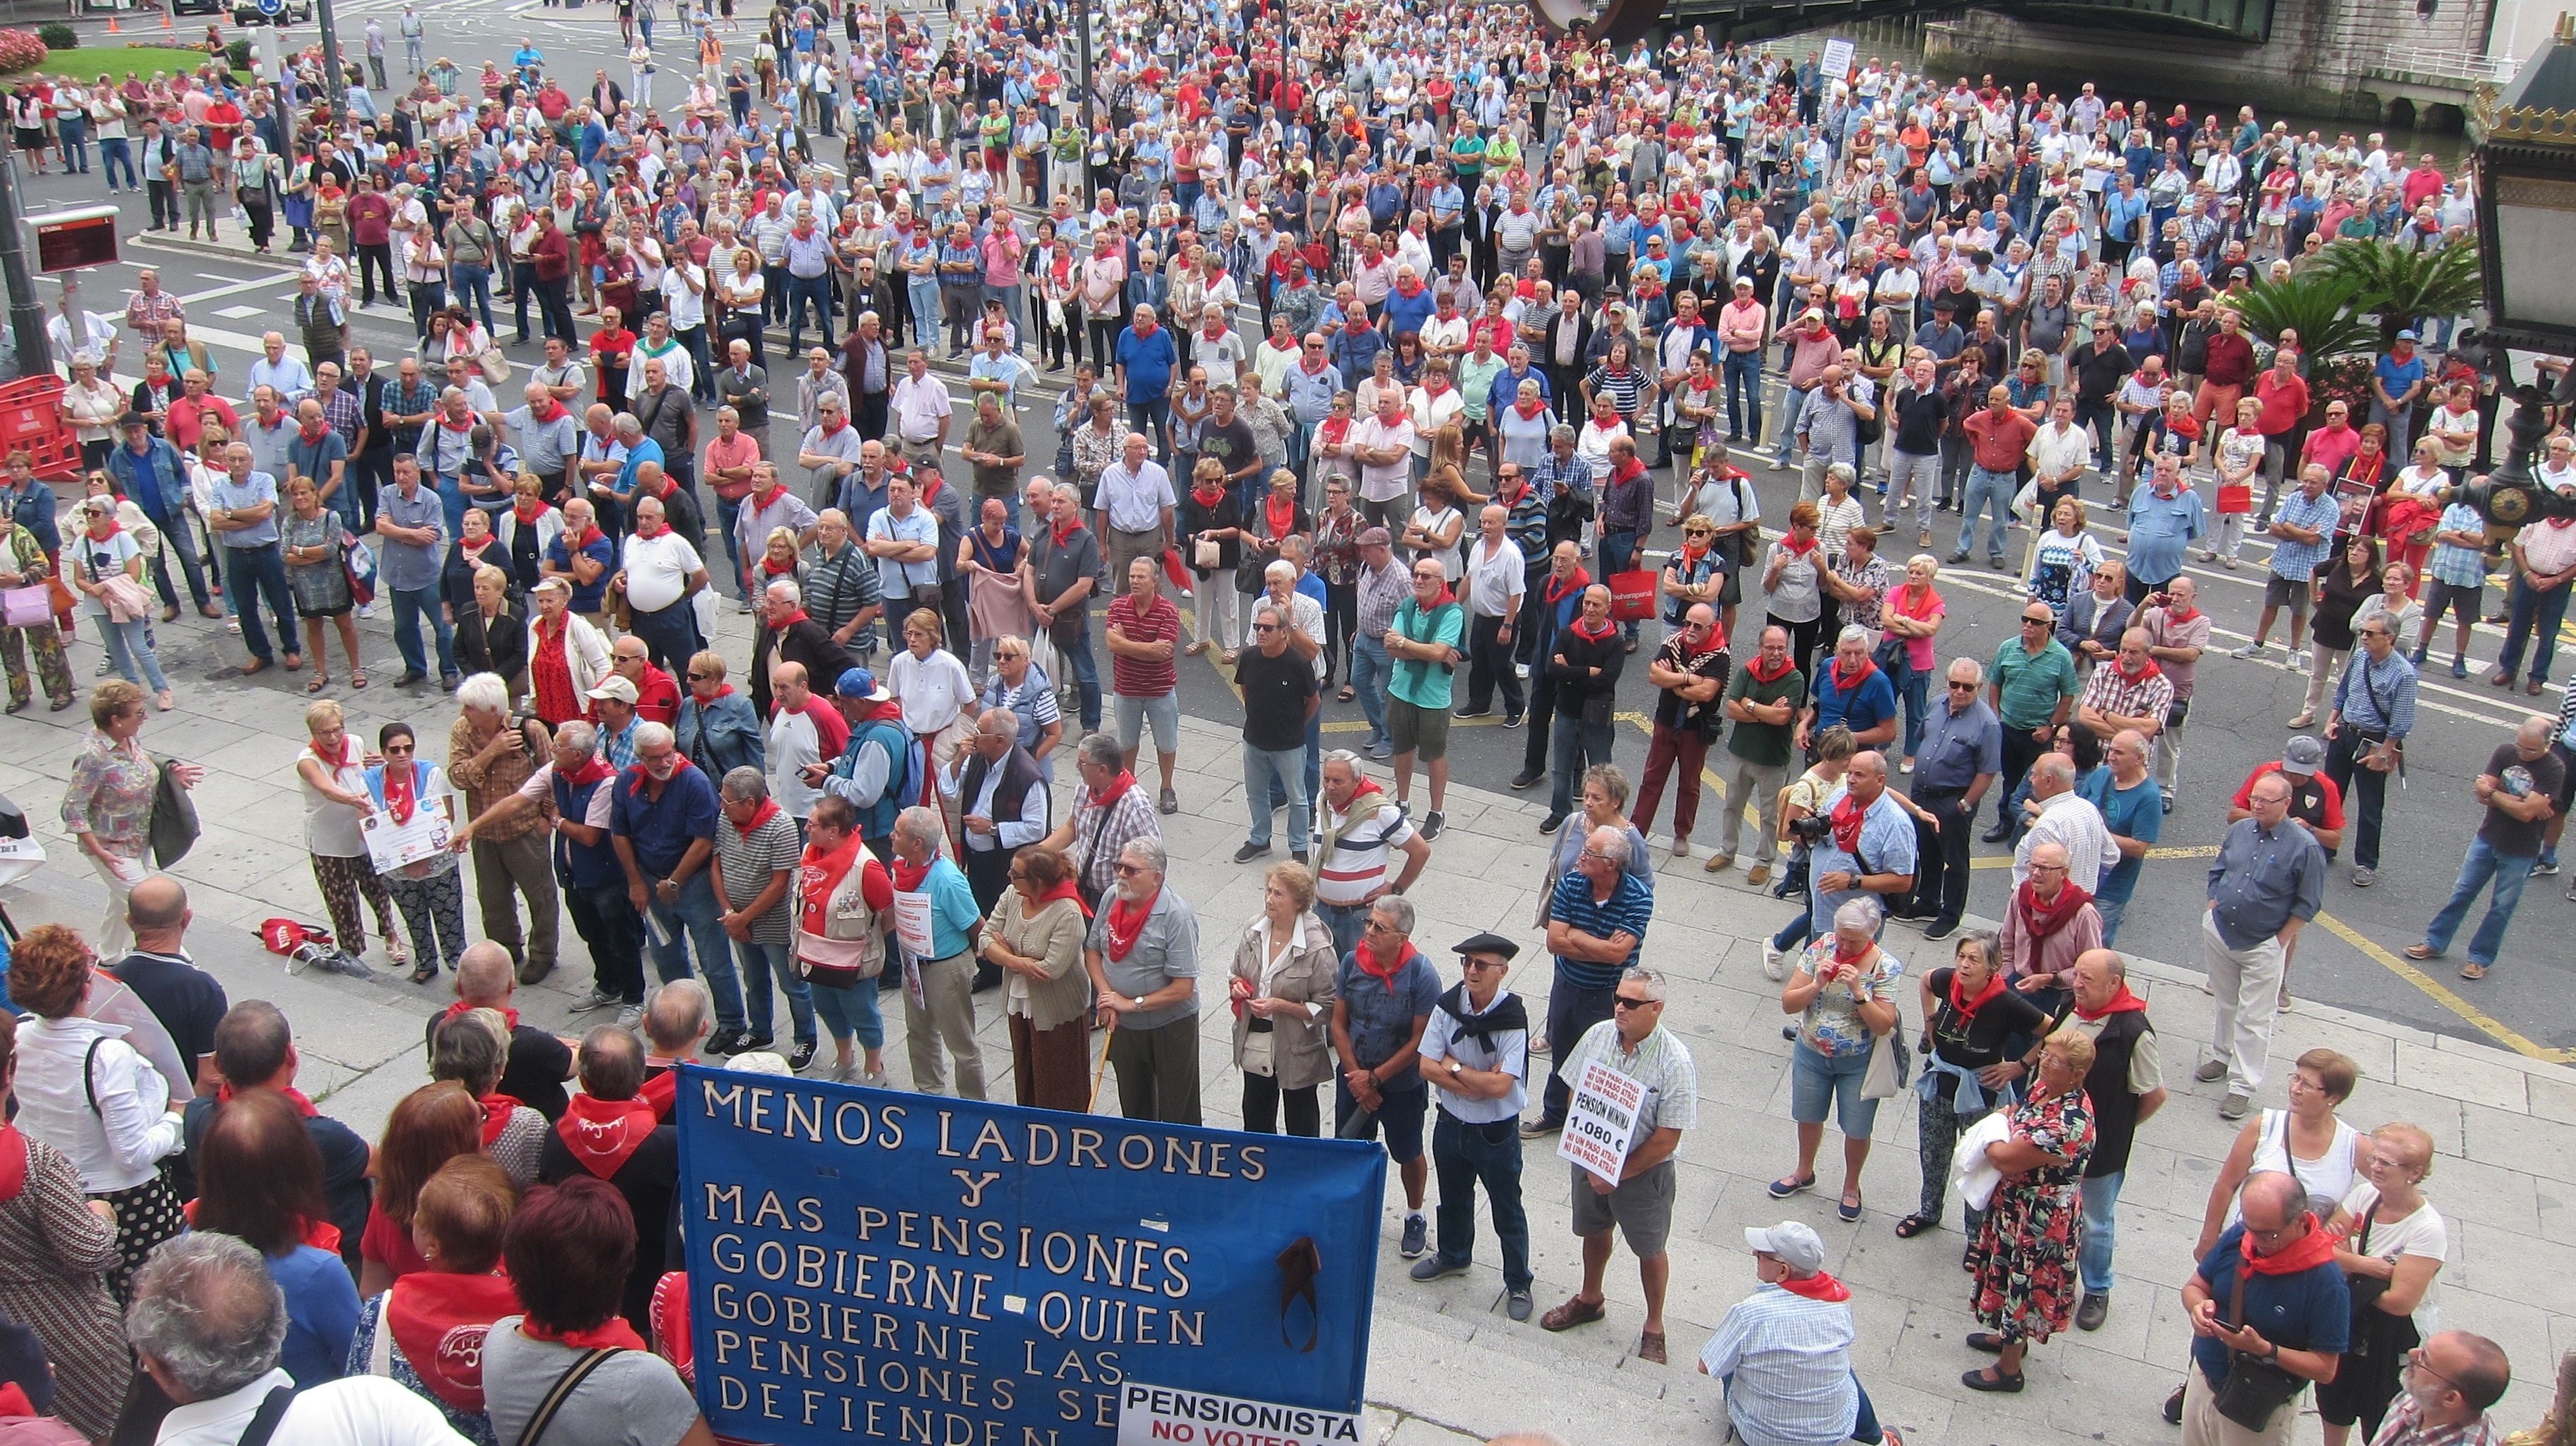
(917, 1269)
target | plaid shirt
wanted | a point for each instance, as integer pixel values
(2453, 564)
(2406, 1428)
(2109, 691)
(340, 409)
(1786, 1361)
(2298, 560)
(1660, 1062)
(1556, 472)
(1097, 843)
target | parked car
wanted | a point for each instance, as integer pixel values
(293, 12)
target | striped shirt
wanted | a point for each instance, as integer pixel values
(1628, 909)
(1157, 622)
(1660, 1063)
(1352, 861)
(1786, 1361)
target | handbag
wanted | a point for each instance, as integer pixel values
(26, 607)
(496, 367)
(2255, 1389)
(1206, 553)
(359, 564)
(1632, 596)
(173, 821)
(1890, 1062)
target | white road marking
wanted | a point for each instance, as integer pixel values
(236, 313)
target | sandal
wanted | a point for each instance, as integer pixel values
(1345, 695)
(317, 683)
(1915, 1224)
(1788, 1185)
(357, 678)
(2473, 970)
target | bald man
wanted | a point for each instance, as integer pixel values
(539, 1062)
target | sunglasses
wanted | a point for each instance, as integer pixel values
(398, 748)
(1963, 687)
(1128, 870)
(1624, 1002)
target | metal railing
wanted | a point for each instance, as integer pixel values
(2465, 66)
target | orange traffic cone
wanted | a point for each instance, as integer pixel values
(165, 15)
(111, 23)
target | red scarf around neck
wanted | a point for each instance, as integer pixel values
(1116, 790)
(1065, 889)
(1208, 494)
(528, 510)
(1529, 408)
(1967, 1008)
(498, 1110)
(592, 770)
(1843, 684)
(1796, 546)
(602, 1134)
(303, 1104)
(1766, 671)
(2039, 919)
(1383, 970)
(1063, 532)
(612, 1334)
(1583, 628)
(1558, 592)
(461, 1006)
(1818, 1286)
(768, 810)
(908, 877)
(1127, 924)
(1280, 520)
(402, 791)
(2310, 1251)
(2119, 1002)
(1848, 816)
(644, 780)
(439, 1320)
(2151, 670)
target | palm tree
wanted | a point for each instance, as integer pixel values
(2399, 286)
(2320, 308)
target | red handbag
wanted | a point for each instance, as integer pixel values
(1632, 596)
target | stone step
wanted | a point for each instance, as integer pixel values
(1443, 1363)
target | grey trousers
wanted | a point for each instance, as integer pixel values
(945, 1017)
(1158, 1071)
(505, 871)
(1759, 786)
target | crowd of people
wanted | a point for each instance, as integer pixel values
(1301, 306)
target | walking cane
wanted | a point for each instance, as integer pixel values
(1103, 1067)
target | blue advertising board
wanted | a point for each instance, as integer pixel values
(918, 1269)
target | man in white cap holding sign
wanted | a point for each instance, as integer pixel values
(1784, 1352)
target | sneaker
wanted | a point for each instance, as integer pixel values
(366, 610)
(1169, 803)
(630, 1016)
(2089, 1314)
(2459, 667)
(2235, 1105)
(2544, 867)
(1381, 750)
(2298, 658)
(1518, 1305)
(2363, 878)
(875, 1078)
(598, 998)
(1298, 854)
(1941, 929)
(1433, 1267)
(1250, 851)
(1417, 1235)
(1512, 720)
(1521, 671)
(1433, 822)
(2285, 998)
(1775, 965)
(2250, 650)
(801, 1056)
(724, 1041)
(1527, 778)
(1542, 1126)
(2211, 1071)
(2168, 803)
(751, 1042)
(1551, 823)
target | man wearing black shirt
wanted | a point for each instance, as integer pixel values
(539, 1062)
(2099, 370)
(1278, 696)
(1922, 414)
(186, 999)
(254, 1049)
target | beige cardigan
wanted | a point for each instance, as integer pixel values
(1053, 937)
(1301, 1052)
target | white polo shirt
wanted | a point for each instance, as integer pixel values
(1495, 580)
(658, 570)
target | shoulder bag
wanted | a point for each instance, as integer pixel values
(2256, 1389)
(556, 1395)
(173, 825)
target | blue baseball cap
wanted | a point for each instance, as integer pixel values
(860, 683)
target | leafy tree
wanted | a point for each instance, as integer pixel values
(2323, 309)
(2397, 286)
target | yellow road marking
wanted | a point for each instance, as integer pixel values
(2195, 851)
(2444, 995)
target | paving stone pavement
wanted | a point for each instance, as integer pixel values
(1446, 1364)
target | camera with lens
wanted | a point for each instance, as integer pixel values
(1810, 830)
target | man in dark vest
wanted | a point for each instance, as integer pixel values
(1475, 1054)
(321, 323)
(2126, 1085)
(576, 787)
(371, 458)
(998, 794)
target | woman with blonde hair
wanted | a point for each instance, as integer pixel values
(107, 806)
(1281, 988)
(317, 574)
(2392, 1244)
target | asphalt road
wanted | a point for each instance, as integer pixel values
(2351, 960)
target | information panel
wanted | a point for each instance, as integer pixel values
(916, 1269)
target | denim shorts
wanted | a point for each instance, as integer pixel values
(1816, 1078)
(1163, 713)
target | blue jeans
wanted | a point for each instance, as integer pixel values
(408, 608)
(1314, 769)
(1153, 417)
(1345, 922)
(924, 299)
(253, 573)
(696, 914)
(2509, 873)
(1817, 1079)
(802, 290)
(128, 649)
(472, 288)
(1261, 769)
(1792, 402)
(1743, 374)
(2111, 911)
(1369, 669)
(1918, 702)
(758, 962)
(1572, 748)
(74, 131)
(2533, 617)
(114, 151)
(852, 1011)
(1086, 677)
(1794, 935)
(728, 511)
(2101, 1215)
(1987, 492)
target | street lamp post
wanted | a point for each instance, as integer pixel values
(2525, 161)
(26, 314)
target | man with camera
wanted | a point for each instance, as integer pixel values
(491, 753)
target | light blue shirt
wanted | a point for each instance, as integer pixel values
(2298, 560)
(953, 915)
(897, 579)
(1886, 841)
(231, 496)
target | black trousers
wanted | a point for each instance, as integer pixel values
(1264, 1102)
(1571, 1009)
(1489, 661)
(615, 934)
(988, 873)
(2365, 791)
(1941, 860)
(2020, 751)
(1542, 713)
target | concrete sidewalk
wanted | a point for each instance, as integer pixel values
(1446, 1364)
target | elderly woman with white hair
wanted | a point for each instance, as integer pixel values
(1843, 991)
(939, 969)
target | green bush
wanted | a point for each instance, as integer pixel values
(237, 55)
(58, 36)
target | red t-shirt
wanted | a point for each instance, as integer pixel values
(2314, 801)
(657, 699)
(1135, 677)
(389, 1244)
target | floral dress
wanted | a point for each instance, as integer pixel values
(2025, 1250)
(320, 589)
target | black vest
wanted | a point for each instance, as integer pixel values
(2115, 1110)
(1019, 775)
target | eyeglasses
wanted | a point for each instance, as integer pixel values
(1373, 926)
(398, 748)
(2419, 1359)
(1625, 1002)
(1963, 687)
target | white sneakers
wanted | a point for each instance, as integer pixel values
(1775, 965)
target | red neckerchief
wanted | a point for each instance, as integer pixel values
(2123, 1000)
(593, 769)
(497, 1113)
(464, 426)
(13, 1162)
(2183, 615)
(1064, 532)
(1834, 674)
(679, 765)
(590, 533)
(1582, 628)
(1795, 547)
(765, 501)
(1434, 383)
(768, 810)
(1764, 671)
(1280, 523)
(553, 412)
(1127, 924)
(1065, 889)
(1920, 607)
(2040, 920)
(1382, 970)
(322, 1235)
(1559, 592)
(603, 1134)
(1965, 1008)
(439, 1319)
(612, 1334)
(402, 792)
(769, 567)
(2312, 1250)
(2151, 670)
(908, 877)
(1690, 556)
(648, 533)
(1408, 291)
(14, 1402)
(1217, 335)
(314, 432)
(1117, 789)
(526, 514)
(1145, 329)
(1529, 409)
(303, 1104)
(1847, 818)
(1818, 1286)
(460, 1007)
(1208, 495)
(789, 621)
(348, 754)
